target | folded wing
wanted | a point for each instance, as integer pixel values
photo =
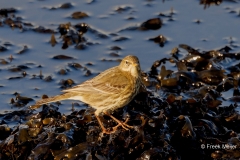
(105, 82)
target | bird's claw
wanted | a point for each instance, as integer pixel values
(124, 125)
(114, 129)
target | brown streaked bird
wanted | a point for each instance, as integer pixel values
(114, 88)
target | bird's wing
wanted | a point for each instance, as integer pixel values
(111, 81)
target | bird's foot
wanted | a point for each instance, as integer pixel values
(123, 124)
(107, 131)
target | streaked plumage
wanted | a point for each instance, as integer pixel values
(111, 89)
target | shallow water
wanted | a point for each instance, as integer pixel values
(219, 27)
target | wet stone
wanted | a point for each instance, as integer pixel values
(67, 83)
(161, 40)
(120, 39)
(5, 11)
(114, 54)
(3, 61)
(15, 69)
(48, 79)
(23, 67)
(89, 64)
(152, 24)
(75, 65)
(18, 77)
(79, 15)
(66, 5)
(81, 47)
(62, 72)
(121, 9)
(42, 29)
(62, 57)
(88, 73)
(2, 48)
(116, 48)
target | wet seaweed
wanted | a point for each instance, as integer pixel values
(189, 113)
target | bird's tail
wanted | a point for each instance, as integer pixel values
(52, 99)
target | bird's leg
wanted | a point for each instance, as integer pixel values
(104, 130)
(123, 124)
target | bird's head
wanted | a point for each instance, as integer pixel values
(131, 64)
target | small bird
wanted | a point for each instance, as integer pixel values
(114, 88)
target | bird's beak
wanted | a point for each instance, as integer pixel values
(135, 64)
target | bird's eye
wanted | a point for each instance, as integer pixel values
(127, 63)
